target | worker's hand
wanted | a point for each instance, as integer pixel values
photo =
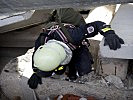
(113, 40)
(34, 81)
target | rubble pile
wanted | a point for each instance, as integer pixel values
(16, 73)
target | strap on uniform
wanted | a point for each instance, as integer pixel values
(42, 39)
(64, 30)
(56, 17)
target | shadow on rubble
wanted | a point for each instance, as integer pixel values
(7, 54)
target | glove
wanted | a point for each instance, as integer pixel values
(34, 81)
(113, 40)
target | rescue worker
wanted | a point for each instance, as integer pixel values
(66, 44)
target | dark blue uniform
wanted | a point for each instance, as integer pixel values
(81, 60)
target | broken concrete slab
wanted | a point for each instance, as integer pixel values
(29, 18)
(21, 38)
(7, 6)
(117, 67)
(115, 80)
(14, 83)
(122, 24)
(106, 14)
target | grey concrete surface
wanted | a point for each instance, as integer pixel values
(20, 38)
(14, 22)
(7, 54)
(117, 67)
(122, 24)
(14, 82)
(93, 85)
(8, 6)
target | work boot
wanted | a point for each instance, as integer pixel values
(72, 78)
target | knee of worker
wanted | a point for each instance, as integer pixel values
(84, 69)
(84, 65)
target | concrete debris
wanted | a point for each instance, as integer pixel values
(14, 83)
(115, 80)
(105, 82)
(24, 64)
(59, 97)
(121, 24)
(112, 66)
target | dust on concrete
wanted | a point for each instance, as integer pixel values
(15, 74)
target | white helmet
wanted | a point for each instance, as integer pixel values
(49, 56)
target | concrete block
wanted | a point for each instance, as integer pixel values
(116, 67)
(94, 48)
(122, 24)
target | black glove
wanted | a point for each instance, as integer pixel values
(113, 40)
(34, 81)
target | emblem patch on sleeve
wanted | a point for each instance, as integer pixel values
(90, 29)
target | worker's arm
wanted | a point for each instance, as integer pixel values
(34, 81)
(82, 32)
(36, 77)
(111, 39)
(92, 29)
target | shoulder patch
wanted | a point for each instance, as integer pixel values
(90, 29)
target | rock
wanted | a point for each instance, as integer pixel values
(115, 80)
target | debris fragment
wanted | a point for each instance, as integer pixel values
(115, 80)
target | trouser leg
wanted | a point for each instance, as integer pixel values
(83, 60)
(72, 70)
